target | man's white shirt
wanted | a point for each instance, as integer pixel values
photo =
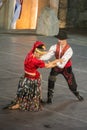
(67, 55)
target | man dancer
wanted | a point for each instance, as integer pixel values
(61, 50)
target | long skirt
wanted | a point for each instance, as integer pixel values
(28, 94)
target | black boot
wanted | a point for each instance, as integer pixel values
(49, 101)
(50, 96)
(80, 98)
(42, 101)
(51, 83)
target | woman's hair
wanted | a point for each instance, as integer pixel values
(37, 46)
(40, 49)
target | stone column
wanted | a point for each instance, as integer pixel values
(5, 18)
(11, 6)
(3, 14)
(6, 14)
(62, 13)
(55, 5)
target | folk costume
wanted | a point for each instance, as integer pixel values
(28, 94)
(64, 68)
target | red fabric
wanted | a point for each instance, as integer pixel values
(31, 63)
(68, 64)
(36, 44)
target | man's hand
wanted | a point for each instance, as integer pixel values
(61, 61)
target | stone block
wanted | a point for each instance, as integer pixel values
(48, 23)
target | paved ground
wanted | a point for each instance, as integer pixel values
(66, 112)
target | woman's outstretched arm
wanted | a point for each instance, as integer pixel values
(53, 63)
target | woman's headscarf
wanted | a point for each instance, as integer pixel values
(36, 45)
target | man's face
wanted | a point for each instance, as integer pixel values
(62, 42)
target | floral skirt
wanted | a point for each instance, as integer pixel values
(28, 94)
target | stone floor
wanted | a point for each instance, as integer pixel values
(66, 112)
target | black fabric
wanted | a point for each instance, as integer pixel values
(68, 75)
(62, 35)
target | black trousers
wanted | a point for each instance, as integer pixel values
(68, 75)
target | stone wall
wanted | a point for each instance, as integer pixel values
(62, 13)
(54, 4)
(6, 13)
(77, 13)
(71, 13)
(41, 5)
(48, 23)
(3, 15)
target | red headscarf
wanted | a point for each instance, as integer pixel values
(36, 44)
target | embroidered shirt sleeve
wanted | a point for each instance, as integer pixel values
(68, 54)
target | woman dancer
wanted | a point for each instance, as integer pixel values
(29, 95)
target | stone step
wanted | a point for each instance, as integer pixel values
(18, 31)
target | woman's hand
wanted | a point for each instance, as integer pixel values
(60, 60)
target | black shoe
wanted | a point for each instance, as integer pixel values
(80, 97)
(49, 101)
(42, 102)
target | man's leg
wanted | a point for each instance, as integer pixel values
(69, 76)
